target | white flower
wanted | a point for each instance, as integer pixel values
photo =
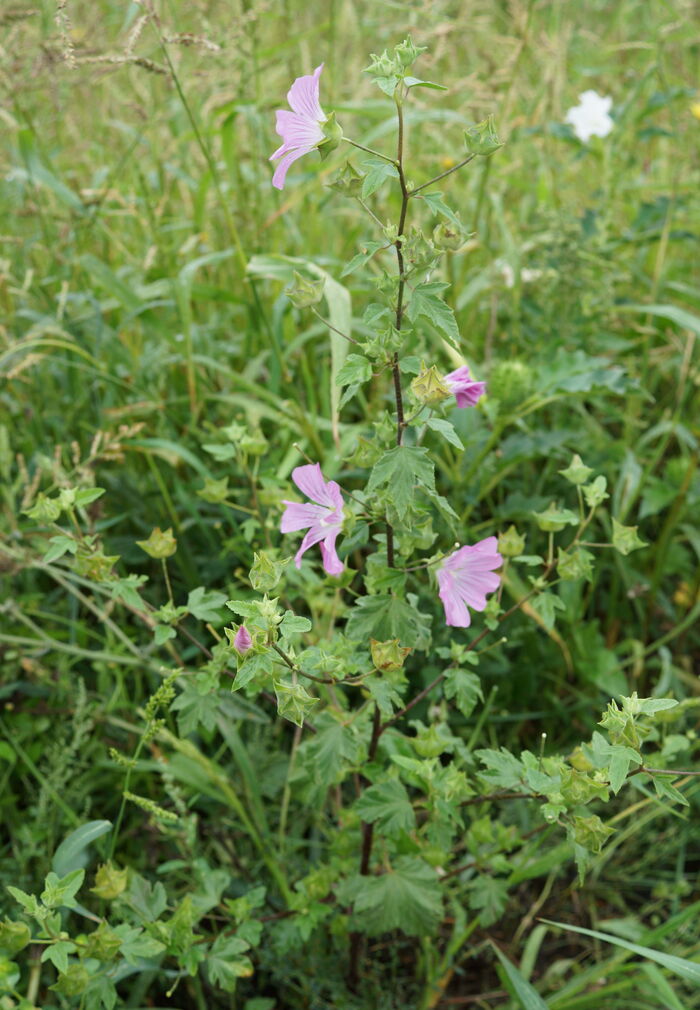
(591, 117)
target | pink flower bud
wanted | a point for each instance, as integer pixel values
(242, 642)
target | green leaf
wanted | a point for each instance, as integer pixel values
(255, 664)
(438, 206)
(545, 605)
(444, 428)
(427, 301)
(367, 251)
(400, 471)
(415, 82)
(387, 804)
(293, 625)
(625, 539)
(195, 709)
(465, 687)
(59, 892)
(667, 791)
(529, 998)
(385, 694)
(384, 617)
(503, 768)
(204, 604)
(689, 970)
(489, 895)
(126, 589)
(357, 369)
(407, 898)
(60, 545)
(58, 953)
(378, 172)
(72, 854)
(27, 901)
(226, 963)
(329, 750)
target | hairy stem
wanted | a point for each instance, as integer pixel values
(365, 857)
(396, 371)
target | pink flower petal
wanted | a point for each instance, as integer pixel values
(331, 561)
(283, 167)
(313, 536)
(303, 95)
(309, 480)
(466, 577)
(299, 516)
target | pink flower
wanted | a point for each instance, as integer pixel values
(242, 642)
(465, 577)
(323, 521)
(299, 129)
(466, 390)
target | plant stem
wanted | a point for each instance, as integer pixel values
(366, 855)
(398, 395)
(430, 182)
(370, 150)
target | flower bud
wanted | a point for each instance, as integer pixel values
(388, 656)
(160, 544)
(446, 236)
(109, 881)
(382, 66)
(407, 53)
(482, 139)
(511, 543)
(266, 571)
(577, 472)
(305, 292)
(347, 180)
(429, 388)
(242, 642)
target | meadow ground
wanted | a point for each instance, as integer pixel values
(148, 348)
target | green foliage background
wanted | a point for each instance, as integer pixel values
(141, 315)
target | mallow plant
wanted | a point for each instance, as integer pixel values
(363, 626)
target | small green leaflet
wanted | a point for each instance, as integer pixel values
(465, 688)
(399, 471)
(377, 174)
(406, 898)
(226, 963)
(366, 253)
(436, 204)
(545, 605)
(194, 709)
(444, 428)
(204, 604)
(58, 953)
(488, 895)
(426, 300)
(357, 369)
(504, 769)
(415, 82)
(387, 805)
